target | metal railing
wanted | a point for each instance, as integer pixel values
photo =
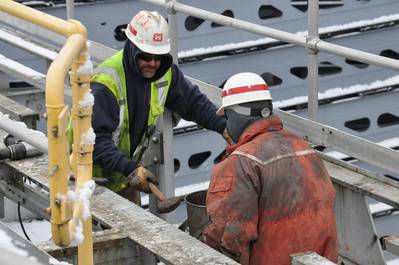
(315, 132)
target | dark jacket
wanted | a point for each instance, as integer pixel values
(183, 98)
(271, 197)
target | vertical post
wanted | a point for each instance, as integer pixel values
(166, 174)
(172, 21)
(70, 9)
(82, 149)
(313, 65)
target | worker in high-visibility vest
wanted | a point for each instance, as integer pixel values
(272, 195)
(131, 89)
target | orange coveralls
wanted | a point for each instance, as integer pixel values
(271, 197)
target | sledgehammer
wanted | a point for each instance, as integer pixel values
(165, 205)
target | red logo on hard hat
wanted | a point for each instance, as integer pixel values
(243, 89)
(157, 37)
(132, 30)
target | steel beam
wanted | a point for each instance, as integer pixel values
(18, 112)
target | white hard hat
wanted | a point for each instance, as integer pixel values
(149, 32)
(243, 88)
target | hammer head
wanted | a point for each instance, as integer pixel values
(170, 204)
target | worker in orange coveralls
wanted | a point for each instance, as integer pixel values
(271, 196)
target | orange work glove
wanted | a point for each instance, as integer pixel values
(140, 179)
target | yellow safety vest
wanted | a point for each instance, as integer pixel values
(111, 74)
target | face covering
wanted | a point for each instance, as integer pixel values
(236, 123)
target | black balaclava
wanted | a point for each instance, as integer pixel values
(236, 122)
(130, 53)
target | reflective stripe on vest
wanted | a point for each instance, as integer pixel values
(114, 74)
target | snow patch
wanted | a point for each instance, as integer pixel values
(6, 243)
(339, 91)
(88, 138)
(87, 101)
(53, 261)
(87, 67)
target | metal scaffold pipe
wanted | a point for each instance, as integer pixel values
(319, 45)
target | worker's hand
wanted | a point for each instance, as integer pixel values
(140, 179)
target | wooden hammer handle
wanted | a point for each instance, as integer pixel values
(157, 193)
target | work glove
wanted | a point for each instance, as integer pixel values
(140, 179)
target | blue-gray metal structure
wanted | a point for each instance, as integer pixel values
(195, 164)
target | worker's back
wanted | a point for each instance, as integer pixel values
(296, 199)
(271, 197)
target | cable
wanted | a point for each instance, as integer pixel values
(20, 221)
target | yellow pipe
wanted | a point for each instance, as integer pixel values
(57, 139)
(58, 161)
(82, 152)
(63, 27)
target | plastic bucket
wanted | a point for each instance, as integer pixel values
(197, 217)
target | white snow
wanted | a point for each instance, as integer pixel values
(339, 91)
(6, 243)
(83, 195)
(88, 138)
(183, 123)
(53, 261)
(37, 230)
(379, 207)
(88, 100)
(87, 67)
(263, 41)
(78, 236)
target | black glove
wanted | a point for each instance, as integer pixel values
(140, 179)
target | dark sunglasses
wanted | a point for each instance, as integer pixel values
(149, 57)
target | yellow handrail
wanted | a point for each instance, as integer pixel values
(68, 209)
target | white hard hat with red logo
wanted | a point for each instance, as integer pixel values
(149, 32)
(243, 88)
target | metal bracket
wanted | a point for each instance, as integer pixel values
(170, 6)
(154, 153)
(311, 45)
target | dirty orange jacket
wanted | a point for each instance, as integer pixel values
(271, 197)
